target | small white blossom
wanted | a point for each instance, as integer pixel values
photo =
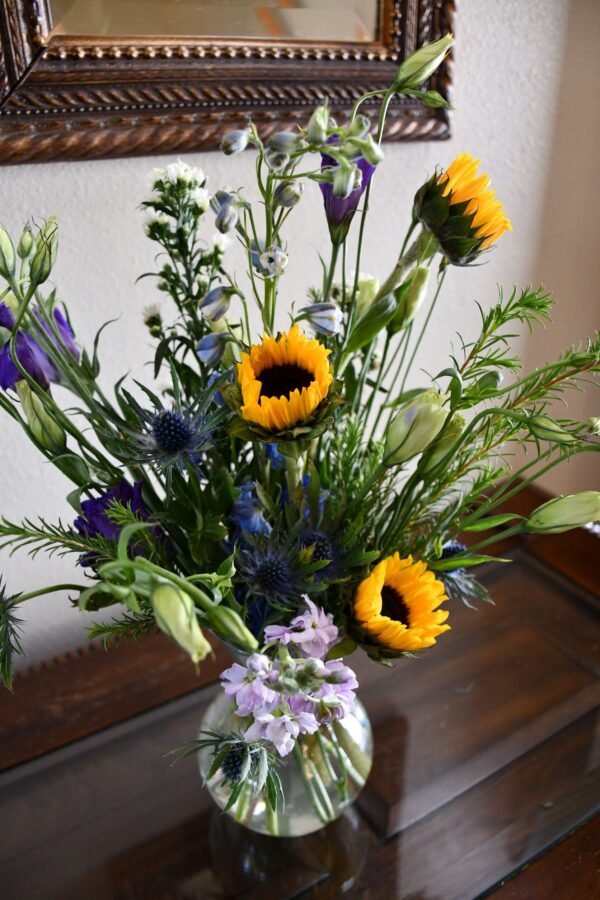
(220, 242)
(200, 198)
(153, 219)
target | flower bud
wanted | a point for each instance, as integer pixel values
(346, 179)
(325, 318)
(368, 288)
(446, 441)
(489, 383)
(416, 424)
(175, 614)
(546, 429)
(288, 193)
(283, 142)
(216, 303)
(7, 254)
(235, 141)
(276, 160)
(592, 425)
(44, 257)
(220, 199)
(41, 424)
(563, 513)
(318, 124)
(410, 295)
(359, 127)
(423, 63)
(273, 262)
(228, 625)
(368, 149)
(210, 349)
(153, 321)
(227, 218)
(26, 243)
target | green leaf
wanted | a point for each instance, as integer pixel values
(216, 763)
(74, 467)
(345, 647)
(462, 562)
(404, 397)
(491, 522)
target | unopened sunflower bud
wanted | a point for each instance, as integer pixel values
(318, 124)
(565, 513)
(420, 65)
(288, 193)
(26, 243)
(228, 625)
(44, 257)
(410, 296)
(445, 442)
(359, 127)
(175, 614)
(227, 218)
(546, 429)
(41, 424)
(235, 141)
(368, 148)
(414, 427)
(7, 254)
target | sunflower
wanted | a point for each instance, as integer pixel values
(284, 380)
(397, 605)
(460, 209)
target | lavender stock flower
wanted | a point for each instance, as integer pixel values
(249, 686)
(340, 210)
(282, 730)
(313, 631)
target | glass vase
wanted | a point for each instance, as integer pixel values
(320, 778)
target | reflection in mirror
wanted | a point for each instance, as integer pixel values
(354, 21)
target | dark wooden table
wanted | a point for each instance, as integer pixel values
(485, 780)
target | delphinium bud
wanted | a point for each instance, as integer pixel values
(288, 194)
(235, 141)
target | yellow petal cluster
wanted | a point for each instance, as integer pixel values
(292, 348)
(421, 595)
(464, 185)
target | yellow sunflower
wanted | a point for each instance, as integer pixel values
(397, 605)
(462, 184)
(283, 380)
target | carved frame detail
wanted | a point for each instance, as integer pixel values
(65, 97)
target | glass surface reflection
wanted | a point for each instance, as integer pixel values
(274, 20)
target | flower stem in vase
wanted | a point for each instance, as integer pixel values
(359, 759)
(309, 784)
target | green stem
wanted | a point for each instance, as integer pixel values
(424, 328)
(357, 757)
(307, 783)
(51, 589)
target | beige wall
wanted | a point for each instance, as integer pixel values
(508, 80)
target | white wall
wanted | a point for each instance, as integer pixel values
(508, 65)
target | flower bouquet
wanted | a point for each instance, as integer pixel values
(285, 487)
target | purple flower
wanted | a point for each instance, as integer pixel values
(29, 354)
(94, 520)
(249, 685)
(246, 512)
(312, 631)
(282, 730)
(340, 210)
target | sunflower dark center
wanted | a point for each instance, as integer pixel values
(393, 605)
(273, 574)
(171, 431)
(280, 381)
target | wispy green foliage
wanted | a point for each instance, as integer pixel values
(10, 635)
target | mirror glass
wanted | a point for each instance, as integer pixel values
(348, 21)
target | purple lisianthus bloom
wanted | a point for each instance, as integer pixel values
(246, 513)
(29, 354)
(313, 631)
(340, 210)
(66, 335)
(282, 730)
(94, 520)
(249, 685)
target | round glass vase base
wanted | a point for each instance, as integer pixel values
(320, 778)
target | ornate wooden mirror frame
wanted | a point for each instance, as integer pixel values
(70, 97)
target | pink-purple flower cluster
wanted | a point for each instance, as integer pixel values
(292, 694)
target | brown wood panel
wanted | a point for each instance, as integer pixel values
(81, 692)
(570, 872)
